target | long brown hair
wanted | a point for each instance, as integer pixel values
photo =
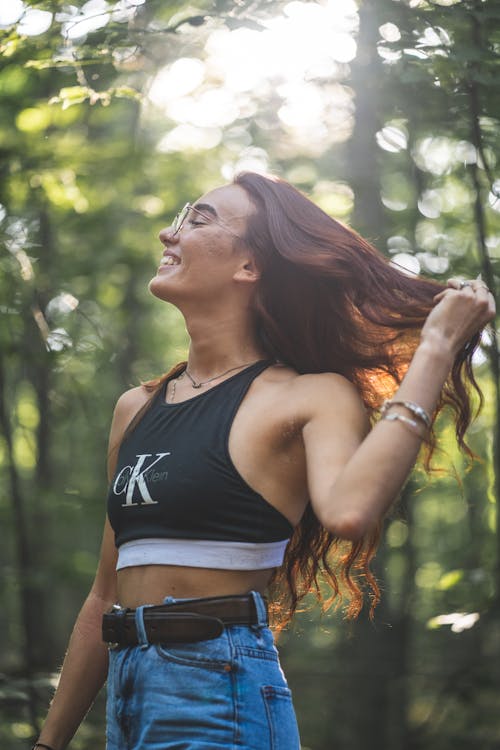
(328, 301)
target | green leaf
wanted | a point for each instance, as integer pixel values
(71, 95)
(40, 64)
(125, 92)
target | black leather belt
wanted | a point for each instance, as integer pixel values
(180, 622)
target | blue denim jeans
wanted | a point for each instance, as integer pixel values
(226, 693)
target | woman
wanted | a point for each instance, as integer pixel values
(298, 331)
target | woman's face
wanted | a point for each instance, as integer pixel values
(200, 260)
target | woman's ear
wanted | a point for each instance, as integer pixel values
(247, 271)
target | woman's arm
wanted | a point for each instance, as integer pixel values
(353, 476)
(86, 662)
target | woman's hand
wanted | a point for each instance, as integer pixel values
(459, 312)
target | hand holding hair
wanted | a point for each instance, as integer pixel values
(459, 312)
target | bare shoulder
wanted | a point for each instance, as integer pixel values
(313, 386)
(314, 395)
(131, 401)
(127, 406)
(331, 395)
(327, 383)
(300, 399)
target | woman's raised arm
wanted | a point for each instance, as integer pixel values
(354, 477)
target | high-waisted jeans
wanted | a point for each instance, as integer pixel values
(227, 693)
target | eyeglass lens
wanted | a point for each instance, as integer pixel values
(180, 218)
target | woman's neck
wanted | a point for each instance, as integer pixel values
(218, 345)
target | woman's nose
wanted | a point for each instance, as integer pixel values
(168, 237)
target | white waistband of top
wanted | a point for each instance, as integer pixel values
(202, 553)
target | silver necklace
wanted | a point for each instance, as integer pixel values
(195, 384)
(198, 384)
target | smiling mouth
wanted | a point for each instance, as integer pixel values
(170, 260)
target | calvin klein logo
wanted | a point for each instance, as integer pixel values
(131, 477)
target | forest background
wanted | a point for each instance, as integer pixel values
(113, 115)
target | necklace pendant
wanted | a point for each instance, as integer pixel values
(196, 385)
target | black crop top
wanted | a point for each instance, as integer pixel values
(175, 478)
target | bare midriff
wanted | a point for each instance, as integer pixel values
(150, 584)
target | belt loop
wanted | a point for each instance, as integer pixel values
(142, 636)
(260, 609)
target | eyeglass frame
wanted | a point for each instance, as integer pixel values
(182, 215)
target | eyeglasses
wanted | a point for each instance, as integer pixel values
(181, 217)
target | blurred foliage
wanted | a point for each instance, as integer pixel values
(112, 116)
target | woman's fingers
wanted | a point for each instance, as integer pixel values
(483, 293)
(470, 286)
(439, 296)
(460, 311)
